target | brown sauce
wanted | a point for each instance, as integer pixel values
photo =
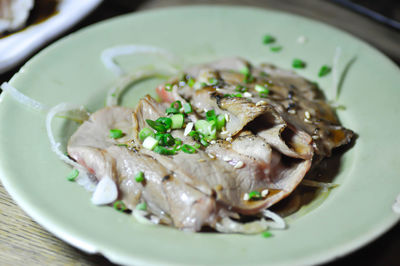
(42, 10)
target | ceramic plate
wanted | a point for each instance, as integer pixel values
(356, 212)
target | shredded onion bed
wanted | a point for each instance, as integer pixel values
(22, 98)
(108, 56)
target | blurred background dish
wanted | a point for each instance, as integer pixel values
(27, 25)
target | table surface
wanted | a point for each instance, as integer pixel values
(23, 241)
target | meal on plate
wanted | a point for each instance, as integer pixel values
(227, 141)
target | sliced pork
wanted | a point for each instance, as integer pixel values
(229, 140)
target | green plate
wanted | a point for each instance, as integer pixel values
(70, 70)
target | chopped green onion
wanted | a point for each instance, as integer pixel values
(207, 128)
(221, 121)
(177, 121)
(245, 71)
(139, 177)
(197, 146)
(194, 134)
(260, 88)
(165, 139)
(266, 234)
(176, 104)
(150, 143)
(187, 108)
(171, 110)
(268, 39)
(325, 70)
(168, 87)
(203, 84)
(141, 206)
(298, 63)
(73, 175)
(190, 82)
(241, 88)
(212, 81)
(116, 133)
(178, 141)
(162, 124)
(254, 195)
(120, 206)
(144, 133)
(188, 148)
(159, 127)
(264, 94)
(239, 95)
(162, 150)
(210, 115)
(122, 145)
(203, 142)
(275, 48)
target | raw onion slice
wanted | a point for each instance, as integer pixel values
(108, 55)
(84, 177)
(227, 225)
(140, 216)
(277, 221)
(114, 93)
(22, 98)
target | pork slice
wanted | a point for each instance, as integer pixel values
(166, 197)
(88, 144)
(240, 111)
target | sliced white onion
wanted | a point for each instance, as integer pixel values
(227, 225)
(108, 55)
(335, 71)
(22, 98)
(106, 192)
(317, 184)
(277, 221)
(140, 216)
(83, 178)
(114, 93)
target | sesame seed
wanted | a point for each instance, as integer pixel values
(188, 128)
(264, 193)
(315, 136)
(292, 111)
(247, 94)
(229, 139)
(219, 187)
(205, 110)
(224, 132)
(227, 158)
(169, 130)
(239, 164)
(219, 90)
(260, 103)
(246, 196)
(212, 156)
(307, 114)
(307, 121)
(201, 160)
(213, 142)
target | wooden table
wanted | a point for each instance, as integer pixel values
(23, 241)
